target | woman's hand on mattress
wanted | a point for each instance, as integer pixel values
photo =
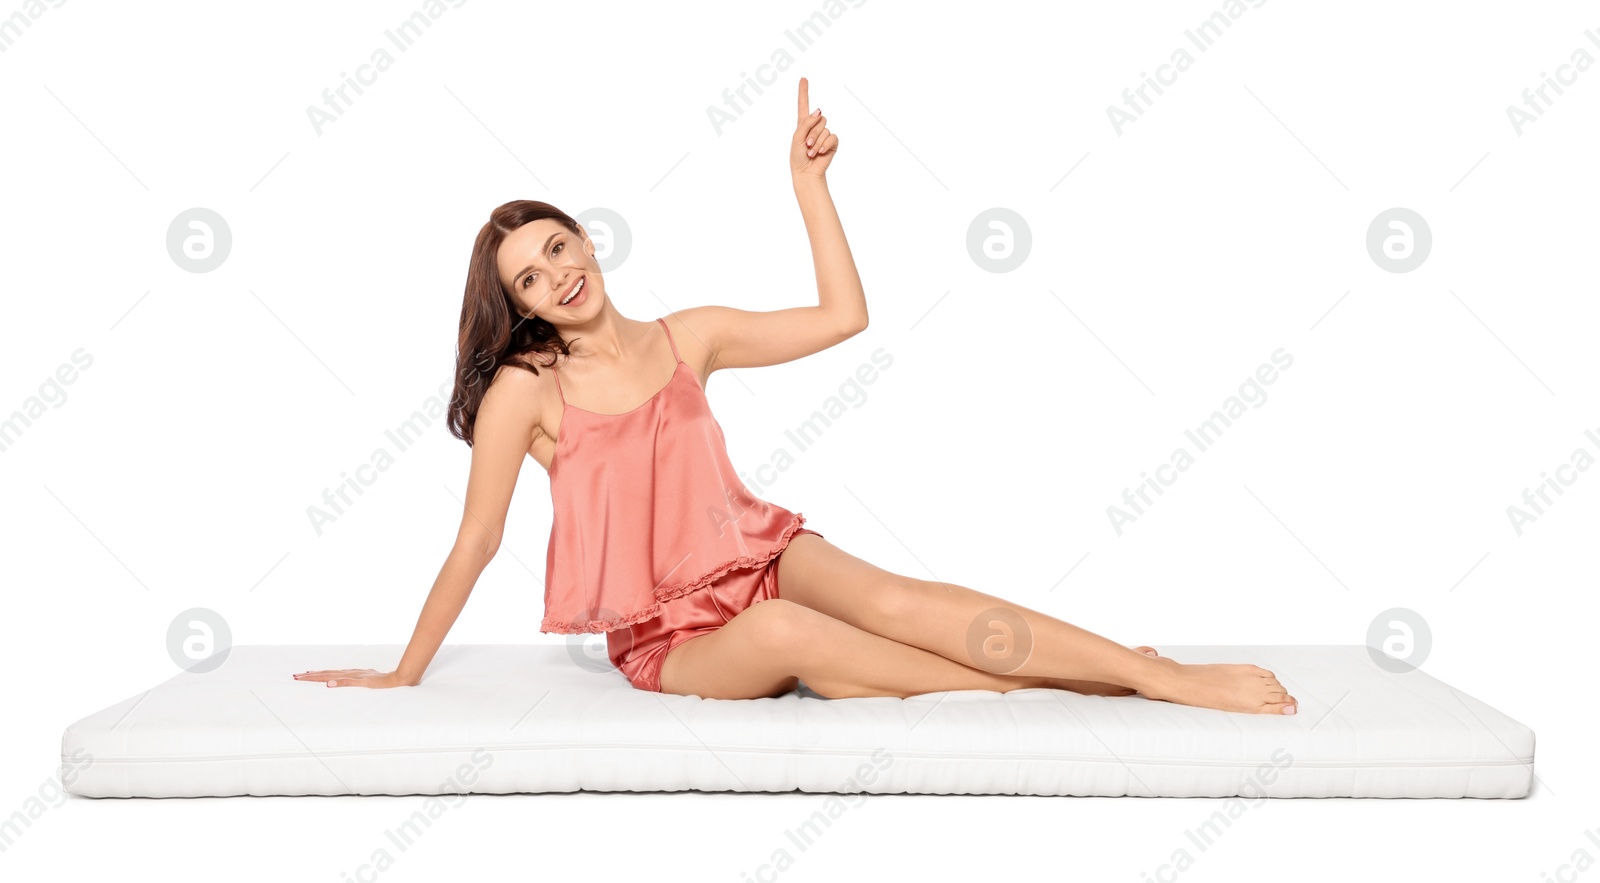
(356, 677)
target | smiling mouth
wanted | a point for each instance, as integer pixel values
(582, 281)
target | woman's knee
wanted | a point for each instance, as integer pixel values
(784, 629)
(897, 599)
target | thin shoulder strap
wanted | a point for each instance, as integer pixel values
(558, 383)
(670, 341)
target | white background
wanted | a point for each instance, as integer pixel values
(1171, 262)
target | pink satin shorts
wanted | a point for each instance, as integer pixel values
(640, 649)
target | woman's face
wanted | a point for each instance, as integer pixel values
(541, 263)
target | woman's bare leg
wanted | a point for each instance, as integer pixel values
(771, 644)
(1002, 637)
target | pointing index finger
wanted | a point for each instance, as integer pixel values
(805, 100)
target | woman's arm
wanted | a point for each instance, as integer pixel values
(501, 436)
(744, 339)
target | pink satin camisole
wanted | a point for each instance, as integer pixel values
(647, 508)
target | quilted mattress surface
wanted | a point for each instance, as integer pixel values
(548, 718)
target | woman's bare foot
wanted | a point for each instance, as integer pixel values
(1241, 688)
(1099, 688)
(1249, 689)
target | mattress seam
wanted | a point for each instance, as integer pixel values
(1314, 764)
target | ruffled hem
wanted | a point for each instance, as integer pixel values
(675, 590)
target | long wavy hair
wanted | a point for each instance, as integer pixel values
(493, 331)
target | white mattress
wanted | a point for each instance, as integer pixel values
(530, 718)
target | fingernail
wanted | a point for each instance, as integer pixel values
(329, 683)
(1289, 710)
(808, 142)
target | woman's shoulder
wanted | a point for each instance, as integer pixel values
(689, 316)
(519, 401)
(692, 328)
(516, 378)
(516, 387)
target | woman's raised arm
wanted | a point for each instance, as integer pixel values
(745, 339)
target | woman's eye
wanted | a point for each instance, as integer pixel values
(528, 280)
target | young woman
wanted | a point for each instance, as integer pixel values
(700, 587)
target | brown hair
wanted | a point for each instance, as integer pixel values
(493, 331)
